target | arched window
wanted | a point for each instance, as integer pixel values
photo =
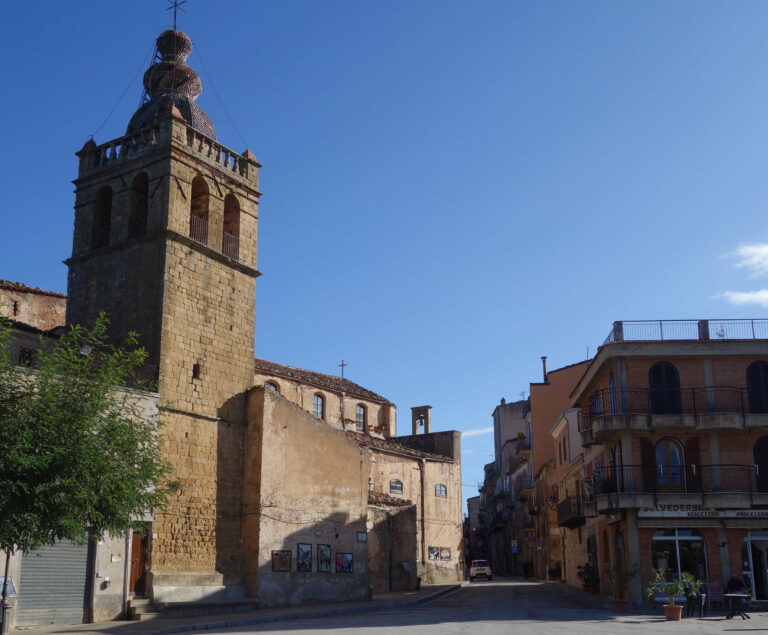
(395, 486)
(198, 211)
(664, 382)
(360, 417)
(137, 221)
(102, 217)
(669, 465)
(230, 244)
(441, 490)
(757, 386)
(271, 386)
(318, 406)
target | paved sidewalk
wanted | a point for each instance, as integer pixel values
(162, 626)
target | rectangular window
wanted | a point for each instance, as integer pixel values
(360, 417)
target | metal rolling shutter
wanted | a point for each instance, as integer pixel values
(54, 585)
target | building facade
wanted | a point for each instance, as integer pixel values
(677, 415)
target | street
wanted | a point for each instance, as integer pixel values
(502, 606)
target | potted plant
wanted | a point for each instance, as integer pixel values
(669, 586)
(556, 572)
(589, 576)
(619, 576)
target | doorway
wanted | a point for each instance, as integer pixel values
(139, 562)
(755, 564)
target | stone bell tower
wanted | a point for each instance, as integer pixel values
(165, 243)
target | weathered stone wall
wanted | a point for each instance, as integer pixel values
(378, 415)
(305, 483)
(442, 522)
(392, 548)
(194, 307)
(42, 309)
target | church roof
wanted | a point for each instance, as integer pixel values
(172, 87)
(319, 380)
(23, 288)
(391, 445)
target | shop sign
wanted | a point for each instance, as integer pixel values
(675, 510)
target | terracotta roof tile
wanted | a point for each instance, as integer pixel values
(23, 288)
(392, 446)
(380, 498)
(319, 380)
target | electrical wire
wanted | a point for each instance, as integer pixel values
(130, 83)
(196, 51)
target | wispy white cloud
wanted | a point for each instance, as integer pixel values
(753, 257)
(476, 432)
(740, 298)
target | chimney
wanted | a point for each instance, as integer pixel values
(420, 417)
(544, 367)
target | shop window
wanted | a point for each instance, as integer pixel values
(669, 465)
(679, 550)
(395, 486)
(664, 384)
(757, 386)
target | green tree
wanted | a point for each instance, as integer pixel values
(77, 452)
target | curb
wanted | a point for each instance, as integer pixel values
(309, 615)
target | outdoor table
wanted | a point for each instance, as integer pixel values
(737, 605)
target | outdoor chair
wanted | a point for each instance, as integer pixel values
(715, 594)
(697, 604)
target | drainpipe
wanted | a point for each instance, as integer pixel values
(422, 466)
(389, 527)
(4, 615)
(127, 569)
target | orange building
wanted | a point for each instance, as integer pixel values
(676, 416)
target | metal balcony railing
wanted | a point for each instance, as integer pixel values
(665, 330)
(198, 229)
(685, 479)
(684, 401)
(230, 246)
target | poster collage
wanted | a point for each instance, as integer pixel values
(281, 560)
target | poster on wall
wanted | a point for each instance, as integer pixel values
(434, 553)
(445, 553)
(323, 557)
(281, 561)
(304, 557)
(343, 563)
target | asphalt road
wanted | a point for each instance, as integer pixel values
(505, 606)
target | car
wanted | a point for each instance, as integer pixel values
(480, 569)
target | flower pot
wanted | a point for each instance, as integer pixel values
(620, 606)
(673, 612)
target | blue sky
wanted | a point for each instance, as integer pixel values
(451, 189)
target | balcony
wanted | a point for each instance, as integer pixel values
(677, 330)
(641, 409)
(722, 486)
(230, 246)
(573, 511)
(198, 229)
(523, 446)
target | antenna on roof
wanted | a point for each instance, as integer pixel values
(175, 5)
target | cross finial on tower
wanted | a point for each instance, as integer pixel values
(343, 364)
(175, 5)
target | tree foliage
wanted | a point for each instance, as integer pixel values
(77, 452)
